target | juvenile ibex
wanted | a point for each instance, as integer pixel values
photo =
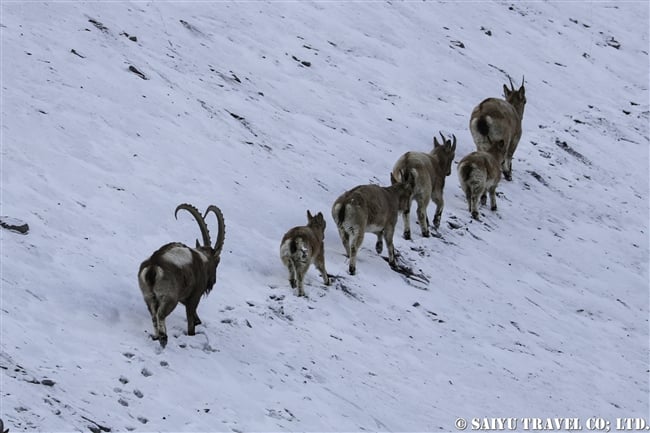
(427, 172)
(479, 174)
(300, 247)
(177, 273)
(496, 119)
(374, 209)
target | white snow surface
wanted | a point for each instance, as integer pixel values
(539, 310)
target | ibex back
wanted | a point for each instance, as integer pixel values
(374, 209)
(177, 273)
(427, 172)
(496, 119)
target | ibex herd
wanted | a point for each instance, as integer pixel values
(177, 273)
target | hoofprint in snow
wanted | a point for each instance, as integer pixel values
(113, 114)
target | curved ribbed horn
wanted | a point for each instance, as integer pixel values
(453, 145)
(218, 245)
(197, 215)
(444, 140)
(512, 86)
(522, 81)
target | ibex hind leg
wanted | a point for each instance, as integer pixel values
(506, 167)
(320, 265)
(355, 245)
(473, 205)
(345, 239)
(423, 220)
(164, 309)
(407, 224)
(437, 198)
(292, 273)
(493, 198)
(192, 317)
(388, 237)
(301, 270)
(152, 306)
(379, 245)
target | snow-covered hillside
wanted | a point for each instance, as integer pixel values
(114, 113)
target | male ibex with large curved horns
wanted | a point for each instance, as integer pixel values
(496, 119)
(177, 273)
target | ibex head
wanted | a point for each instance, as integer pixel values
(213, 253)
(316, 222)
(517, 98)
(445, 151)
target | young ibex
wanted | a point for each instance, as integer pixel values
(494, 120)
(479, 173)
(177, 273)
(300, 247)
(427, 172)
(374, 209)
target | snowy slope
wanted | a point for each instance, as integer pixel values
(270, 109)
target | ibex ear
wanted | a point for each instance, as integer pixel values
(393, 181)
(309, 215)
(506, 91)
(435, 142)
(197, 244)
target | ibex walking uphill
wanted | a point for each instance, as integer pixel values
(374, 209)
(177, 273)
(479, 173)
(427, 172)
(302, 246)
(494, 120)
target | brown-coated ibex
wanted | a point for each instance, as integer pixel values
(374, 209)
(300, 247)
(177, 273)
(479, 173)
(496, 119)
(427, 172)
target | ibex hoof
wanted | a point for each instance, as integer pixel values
(301, 293)
(379, 248)
(327, 281)
(407, 235)
(293, 284)
(163, 341)
(475, 215)
(508, 176)
(494, 207)
(426, 234)
(483, 199)
(352, 270)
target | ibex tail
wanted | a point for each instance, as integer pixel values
(482, 126)
(151, 274)
(473, 177)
